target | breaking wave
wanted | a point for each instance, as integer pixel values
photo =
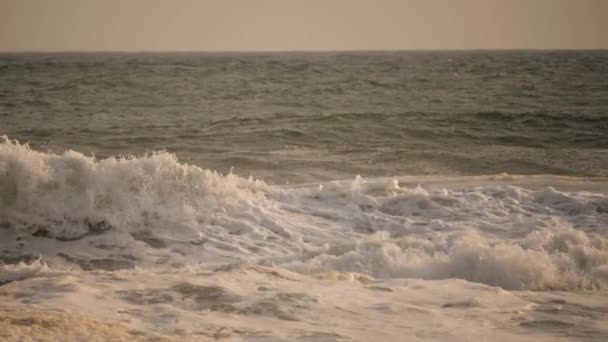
(149, 211)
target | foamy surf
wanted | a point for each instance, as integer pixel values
(157, 246)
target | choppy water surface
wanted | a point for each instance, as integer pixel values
(304, 117)
(442, 196)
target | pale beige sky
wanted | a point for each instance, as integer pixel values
(211, 25)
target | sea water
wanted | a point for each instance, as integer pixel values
(335, 196)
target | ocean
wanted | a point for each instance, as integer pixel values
(313, 196)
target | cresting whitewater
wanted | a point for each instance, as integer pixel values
(122, 219)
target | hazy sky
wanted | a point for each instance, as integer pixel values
(67, 25)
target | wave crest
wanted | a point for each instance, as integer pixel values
(70, 194)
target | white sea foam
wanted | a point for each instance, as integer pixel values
(501, 235)
(199, 246)
(61, 191)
